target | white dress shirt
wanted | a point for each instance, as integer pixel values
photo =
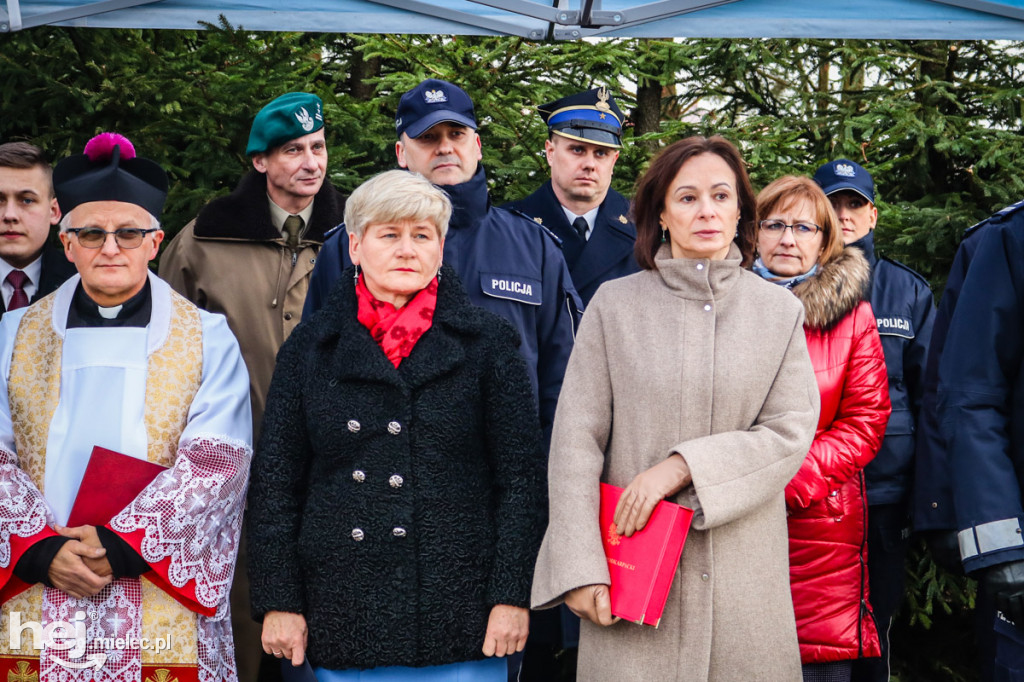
(590, 216)
(34, 270)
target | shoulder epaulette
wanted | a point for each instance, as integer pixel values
(1009, 210)
(997, 217)
(907, 268)
(544, 228)
(330, 233)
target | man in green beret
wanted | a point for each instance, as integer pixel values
(249, 255)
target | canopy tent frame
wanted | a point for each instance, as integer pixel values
(13, 21)
(589, 17)
(554, 19)
(988, 7)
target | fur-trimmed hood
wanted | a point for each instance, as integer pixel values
(835, 290)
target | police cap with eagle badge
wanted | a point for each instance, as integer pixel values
(843, 174)
(590, 116)
(288, 117)
(431, 102)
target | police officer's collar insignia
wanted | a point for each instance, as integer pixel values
(435, 96)
(538, 220)
(623, 219)
(304, 119)
(845, 170)
(602, 99)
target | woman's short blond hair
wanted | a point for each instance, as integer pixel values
(789, 188)
(397, 196)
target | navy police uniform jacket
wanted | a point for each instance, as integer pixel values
(904, 312)
(981, 397)
(510, 266)
(606, 255)
(933, 493)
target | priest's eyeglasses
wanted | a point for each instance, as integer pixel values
(774, 229)
(94, 237)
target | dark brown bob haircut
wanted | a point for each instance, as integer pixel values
(649, 200)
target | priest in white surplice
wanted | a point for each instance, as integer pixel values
(115, 358)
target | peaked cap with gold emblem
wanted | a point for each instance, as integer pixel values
(590, 116)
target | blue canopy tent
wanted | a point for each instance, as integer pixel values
(557, 19)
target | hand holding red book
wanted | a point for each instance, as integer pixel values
(642, 566)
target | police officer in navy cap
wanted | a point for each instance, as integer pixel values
(904, 311)
(509, 264)
(577, 203)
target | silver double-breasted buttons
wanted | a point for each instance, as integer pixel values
(354, 426)
(398, 532)
(358, 534)
(358, 476)
(396, 481)
(394, 428)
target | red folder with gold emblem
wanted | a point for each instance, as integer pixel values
(642, 567)
(111, 481)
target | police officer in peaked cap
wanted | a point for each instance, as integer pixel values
(577, 203)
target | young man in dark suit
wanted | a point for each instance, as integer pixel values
(29, 269)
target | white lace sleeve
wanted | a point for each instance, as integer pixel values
(192, 515)
(23, 511)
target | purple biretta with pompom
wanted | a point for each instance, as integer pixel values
(109, 170)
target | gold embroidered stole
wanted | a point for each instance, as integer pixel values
(174, 374)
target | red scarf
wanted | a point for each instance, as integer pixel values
(396, 330)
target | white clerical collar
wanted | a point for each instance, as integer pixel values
(109, 313)
(590, 216)
(278, 215)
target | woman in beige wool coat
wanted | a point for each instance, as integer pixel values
(689, 381)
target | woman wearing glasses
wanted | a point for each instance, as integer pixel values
(800, 247)
(689, 381)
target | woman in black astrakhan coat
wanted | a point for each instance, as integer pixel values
(397, 497)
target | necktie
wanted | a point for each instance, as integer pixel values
(293, 228)
(17, 279)
(580, 225)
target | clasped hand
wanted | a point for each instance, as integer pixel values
(80, 568)
(648, 489)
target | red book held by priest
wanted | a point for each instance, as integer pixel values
(111, 481)
(642, 567)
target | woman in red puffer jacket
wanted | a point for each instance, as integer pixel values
(800, 247)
